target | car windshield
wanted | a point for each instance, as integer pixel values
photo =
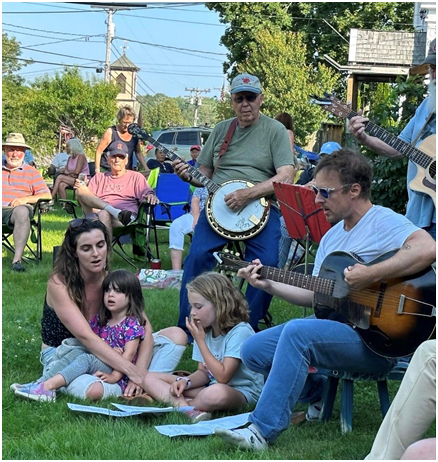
(188, 138)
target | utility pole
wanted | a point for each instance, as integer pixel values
(110, 27)
(196, 101)
(109, 39)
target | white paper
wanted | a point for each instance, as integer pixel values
(203, 428)
(124, 411)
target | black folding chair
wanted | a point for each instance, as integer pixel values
(34, 246)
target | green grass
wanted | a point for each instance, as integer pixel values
(39, 431)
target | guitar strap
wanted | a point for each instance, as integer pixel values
(429, 117)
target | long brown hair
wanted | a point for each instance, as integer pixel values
(67, 264)
(231, 306)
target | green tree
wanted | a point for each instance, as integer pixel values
(160, 111)
(389, 186)
(12, 84)
(325, 25)
(86, 105)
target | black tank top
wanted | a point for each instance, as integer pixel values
(53, 332)
(131, 144)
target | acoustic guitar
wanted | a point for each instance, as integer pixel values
(392, 317)
(238, 224)
(424, 156)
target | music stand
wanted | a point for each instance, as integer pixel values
(304, 220)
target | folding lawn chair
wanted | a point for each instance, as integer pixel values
(174, 195)
(33, 249)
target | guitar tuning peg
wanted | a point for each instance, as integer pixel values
(226, 251)
(237, 254)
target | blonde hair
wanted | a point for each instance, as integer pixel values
(230, 304)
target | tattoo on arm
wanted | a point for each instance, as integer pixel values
(406, 247)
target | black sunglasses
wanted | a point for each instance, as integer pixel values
(325, 192)
(250, 97)
(80, 221)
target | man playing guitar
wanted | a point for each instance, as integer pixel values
(284, 353)
(420, 208)
(258, 152)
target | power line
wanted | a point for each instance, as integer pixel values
(60, 54)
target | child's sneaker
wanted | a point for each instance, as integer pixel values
(37, 393)
(247, 437)
(197, 416)
(314, 411)
(16, 386)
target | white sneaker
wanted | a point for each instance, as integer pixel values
(244, 438)
(314, 411)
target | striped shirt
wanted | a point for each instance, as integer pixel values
(21, 182)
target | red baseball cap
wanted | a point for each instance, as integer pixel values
(195, 146)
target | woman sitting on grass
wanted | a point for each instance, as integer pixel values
(74, 297)
(120, 323)
(219, 325)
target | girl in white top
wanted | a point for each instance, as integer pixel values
(219, 325)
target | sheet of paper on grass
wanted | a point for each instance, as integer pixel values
(125, 411)
(203, 428)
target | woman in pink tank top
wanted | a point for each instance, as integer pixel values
(77, 163)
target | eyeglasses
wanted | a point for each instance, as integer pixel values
(251, 97)
(325, 192)
(80, 221)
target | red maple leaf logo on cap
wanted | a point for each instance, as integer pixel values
(246, 80)
(119, 146)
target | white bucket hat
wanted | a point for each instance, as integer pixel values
(15, 139)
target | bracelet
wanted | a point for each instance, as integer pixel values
(189, 382)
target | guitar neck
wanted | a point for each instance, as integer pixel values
(415, 155)
(303, 281)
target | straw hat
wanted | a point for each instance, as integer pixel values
(15, 139)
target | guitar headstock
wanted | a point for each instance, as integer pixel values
(333, 105)
(136, 130)
(229, 262)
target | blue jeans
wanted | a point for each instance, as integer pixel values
(283, 355)
(200, 259)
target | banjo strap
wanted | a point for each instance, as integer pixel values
(226, 141)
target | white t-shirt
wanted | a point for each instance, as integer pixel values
(379, 231)
(228, 346)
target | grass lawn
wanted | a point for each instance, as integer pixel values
(33, 430)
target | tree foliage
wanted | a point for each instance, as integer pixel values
(325, 25)
(86, 105)
(389, 186)
(287, 80)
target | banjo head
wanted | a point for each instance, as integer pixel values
(236, 224)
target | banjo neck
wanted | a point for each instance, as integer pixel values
(205, 181)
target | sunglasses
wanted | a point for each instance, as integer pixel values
(325, 192)
(80, 221)
(251, 97)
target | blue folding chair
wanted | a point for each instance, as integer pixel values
(174, 195)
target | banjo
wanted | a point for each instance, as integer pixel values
(239, 224)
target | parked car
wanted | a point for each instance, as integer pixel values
(180, 139)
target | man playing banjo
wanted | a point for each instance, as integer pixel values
(249, 152)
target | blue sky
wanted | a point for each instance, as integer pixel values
(79, 31)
